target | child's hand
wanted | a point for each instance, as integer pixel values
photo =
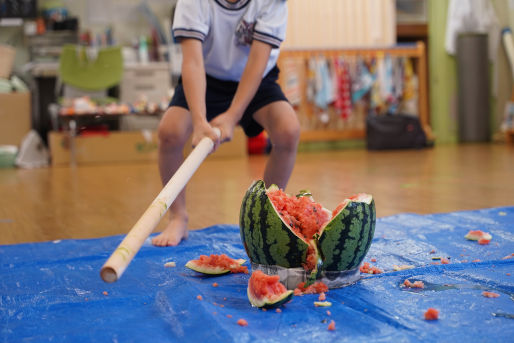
(226, 123)
(205, 130)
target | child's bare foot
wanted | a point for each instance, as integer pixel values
(173, 234)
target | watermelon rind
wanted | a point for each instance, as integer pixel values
(346, 239)
(266, 238)
(269, 302)
(322, 303)
(194, 265)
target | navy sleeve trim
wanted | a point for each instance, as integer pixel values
(266, 38)
(188, 33)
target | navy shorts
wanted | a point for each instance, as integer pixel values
(219, 95)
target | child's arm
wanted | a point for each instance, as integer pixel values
(193, 80)
(248, 85)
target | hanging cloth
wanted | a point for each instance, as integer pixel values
(324, 92)
(311, 80)
(377, 103)
(343, 99)
(410, 94)
(363, 82)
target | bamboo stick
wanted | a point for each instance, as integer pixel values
(130, 245)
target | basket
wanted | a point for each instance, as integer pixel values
(6, 61)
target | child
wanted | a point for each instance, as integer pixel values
(229, 73)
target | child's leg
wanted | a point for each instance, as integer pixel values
(174, 130)
(281, 123)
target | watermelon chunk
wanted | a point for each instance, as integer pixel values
(431, 314)
(415, 284)
(475, 235)
(490, 294)
(242, 322)
(317, 287)
(266, 291)
(217, 265)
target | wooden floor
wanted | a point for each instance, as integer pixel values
(101, 200)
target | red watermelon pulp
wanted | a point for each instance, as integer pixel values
(305, 217)
(267, 291)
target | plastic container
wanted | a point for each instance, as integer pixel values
(473, 87)
(8, 156)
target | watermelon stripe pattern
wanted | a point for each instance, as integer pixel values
(266, 238)
(342, 244)
(347, 238)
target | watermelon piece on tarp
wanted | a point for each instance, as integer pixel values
(267, 291)
(217, 265)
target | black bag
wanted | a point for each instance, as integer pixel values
(394, 131)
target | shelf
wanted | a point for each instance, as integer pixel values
(412, 30)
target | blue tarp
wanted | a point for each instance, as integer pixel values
(52, 291)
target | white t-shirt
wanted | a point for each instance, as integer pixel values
(227, 29)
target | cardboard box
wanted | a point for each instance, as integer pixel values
(126, 146)
(116, 146)
(15, 122)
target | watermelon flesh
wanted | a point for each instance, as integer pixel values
(302, 214)
(267, 291)
(307, 218)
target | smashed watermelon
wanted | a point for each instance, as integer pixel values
(266, 291)
(296, 232)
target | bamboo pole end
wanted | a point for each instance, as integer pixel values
(108, 274)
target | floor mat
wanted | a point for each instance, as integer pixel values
(52, 291)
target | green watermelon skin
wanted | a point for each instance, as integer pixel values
(266, 239)
(345, 241)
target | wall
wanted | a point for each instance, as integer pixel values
(340, 24)
(443, 74)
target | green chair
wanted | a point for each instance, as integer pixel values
(78, 70)
(80, 75)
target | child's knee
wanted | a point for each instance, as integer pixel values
(287, 138)
(170, 136)
(289, 132)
